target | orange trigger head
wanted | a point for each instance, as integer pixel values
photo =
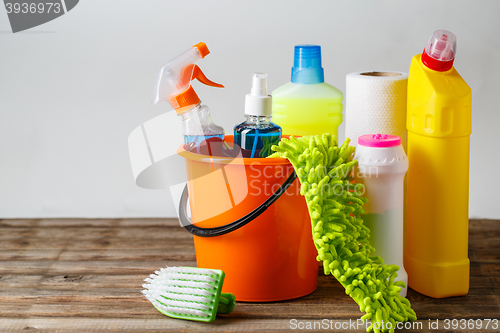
(203, 49)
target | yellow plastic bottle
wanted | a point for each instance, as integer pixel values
(307, 105)
(439, 128)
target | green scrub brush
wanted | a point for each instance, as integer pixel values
(340, 237)
(188, 293)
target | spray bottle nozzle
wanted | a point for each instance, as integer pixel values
(189, 97)
(174, 79)
(259, 84)
(258, 102)
(194, 72)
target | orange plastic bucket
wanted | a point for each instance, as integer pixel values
(266, 251)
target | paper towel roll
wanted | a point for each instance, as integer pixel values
(376, 103)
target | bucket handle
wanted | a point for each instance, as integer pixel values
(224, 229)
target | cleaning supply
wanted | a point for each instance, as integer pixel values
(341, 238)
(382, 165)
(251, 223)
(439, 128)
(188, 293)
(376, 103)
(307, 105)
(174, 86)
(257, 134)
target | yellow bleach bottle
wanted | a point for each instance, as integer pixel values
(307, 105)
(439, 127)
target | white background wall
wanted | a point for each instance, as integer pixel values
(72, 89)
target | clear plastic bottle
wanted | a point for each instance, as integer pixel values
(307, 105)
(174, 86)
(257, 134)
(197, 126)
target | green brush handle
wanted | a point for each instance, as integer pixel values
(227, 302)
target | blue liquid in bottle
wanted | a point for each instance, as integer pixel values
(256, 135)
(211, 145)
(200, 132)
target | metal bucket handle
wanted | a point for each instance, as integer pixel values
(224, 229)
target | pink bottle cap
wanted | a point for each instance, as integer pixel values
(379, 140)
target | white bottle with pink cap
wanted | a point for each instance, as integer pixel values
(382, 165)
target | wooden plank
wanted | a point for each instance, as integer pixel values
(24, 267)
(141, 325)
(95, 244)
(23, 255)
(125, 308)
(76, 234)
(26, 223)
(71, 282)
(89, 267)
(326, 284)
(483, 224)
(84, 223)
(171, 254)
(484, 256)
(221, 324)
(182, 254)
(320, 304)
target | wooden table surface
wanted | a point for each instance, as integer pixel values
(79, 275)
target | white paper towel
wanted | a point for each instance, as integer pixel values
(376, 103)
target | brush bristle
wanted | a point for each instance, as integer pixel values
(182, 290)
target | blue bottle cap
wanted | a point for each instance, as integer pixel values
(307, 65)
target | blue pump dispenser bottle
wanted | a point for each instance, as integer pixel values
(257, 134)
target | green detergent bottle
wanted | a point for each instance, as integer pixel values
(307, 105)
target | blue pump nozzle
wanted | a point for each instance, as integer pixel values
(307, 65)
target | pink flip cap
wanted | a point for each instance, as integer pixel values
(379, 140)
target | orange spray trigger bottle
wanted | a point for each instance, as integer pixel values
(174, 86)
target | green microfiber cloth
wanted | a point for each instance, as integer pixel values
(341, 238)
